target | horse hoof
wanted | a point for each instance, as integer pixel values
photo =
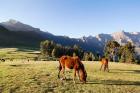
(84, 82)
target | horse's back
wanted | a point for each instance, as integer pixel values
(69, 62)
(104, 61)
(66, 61)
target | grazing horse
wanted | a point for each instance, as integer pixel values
(67, 62)
(104, 62)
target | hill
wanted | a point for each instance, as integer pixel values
(14, 33)
(16, 38)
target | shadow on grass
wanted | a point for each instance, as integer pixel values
(27, 49)
(19, 65)
(15, 65)
(114, 82)
(124, 71)
(108, 82)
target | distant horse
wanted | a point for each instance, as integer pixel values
(104, 62)
(67, 62)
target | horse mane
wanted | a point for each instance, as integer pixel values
(82, 68)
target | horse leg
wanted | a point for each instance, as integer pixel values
(60, 68)
(63, 72)
(78, 75)
(101, 67)
(104, 67)
(74, 76)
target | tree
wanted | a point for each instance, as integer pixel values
(78, 51)
(127, 53)
(92, 57)
(88, 56)
(46, 47)
(122, 58)
(54, 52)
(74, 54)
(51, 49)
(111, 49)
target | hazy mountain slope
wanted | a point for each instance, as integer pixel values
(25, 35)
(16, 38)
(14, 33)
(14, 25)
(124, 37)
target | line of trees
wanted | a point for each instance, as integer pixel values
(122, 53)
(112, 50)
(51, 49)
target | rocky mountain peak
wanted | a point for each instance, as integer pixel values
(120, 34)
(92, 43)
(12, 21)
(14, 25)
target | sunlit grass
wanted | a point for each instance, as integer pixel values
(41, 77)
(16, 53)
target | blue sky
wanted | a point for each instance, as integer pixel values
(74, 18)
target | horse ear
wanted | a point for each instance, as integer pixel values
(78, 59)
(64, 57)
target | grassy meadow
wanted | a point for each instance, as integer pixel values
(41, 77)
(21, 76)
(18, 53)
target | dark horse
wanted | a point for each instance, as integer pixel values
(104, 62)
(67, 62)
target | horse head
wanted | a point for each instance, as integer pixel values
(82, 74)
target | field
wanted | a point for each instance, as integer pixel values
(18, 53)
(21, 76)
(41, 77)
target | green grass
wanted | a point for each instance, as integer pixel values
(17, 53)
(41, 77)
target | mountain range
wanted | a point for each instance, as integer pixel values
(14, 33)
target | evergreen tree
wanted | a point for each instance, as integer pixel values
(111, 49)
(128, 53)
(49, 48)
(86, 56)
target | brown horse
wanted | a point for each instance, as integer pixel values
(67, 62)
(104, 62)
